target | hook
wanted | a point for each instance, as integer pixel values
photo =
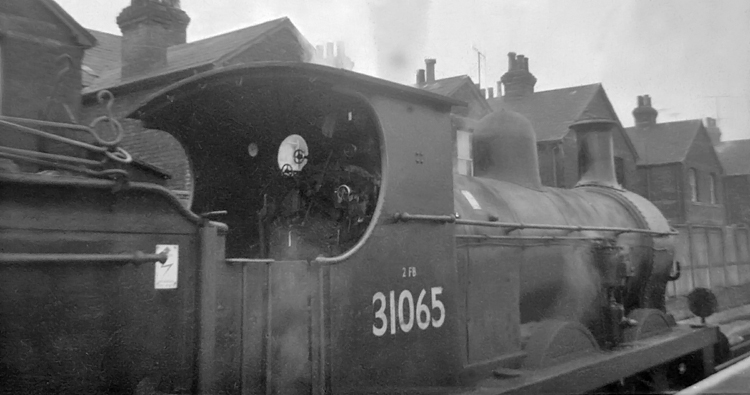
(110, 100)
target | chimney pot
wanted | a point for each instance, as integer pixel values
(518, 81)
(644, 114)
(430, 69)
(490, 92)
(519, 62)
(420, 77)
(511, 61)
(483, 92)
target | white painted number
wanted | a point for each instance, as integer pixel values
(423, 311)
(406, 311)
(406, 326)
(436, 304)
(380, 314)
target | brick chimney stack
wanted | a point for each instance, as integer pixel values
(644, 114)
(518, 81)
(714, 132)
(148, 28)
(430, 68)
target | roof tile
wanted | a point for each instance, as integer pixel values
(104, 59)
(550, 112)
(663, 143)
(446, 86)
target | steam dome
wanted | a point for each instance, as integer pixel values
(505, 149)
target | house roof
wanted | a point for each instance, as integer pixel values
(451, 85)
(84, 38)
(550, 112)
(663, 143)
(734, 157)
(447, 86)
(105, 60)
(101, 58)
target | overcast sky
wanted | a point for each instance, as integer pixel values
(691, 56)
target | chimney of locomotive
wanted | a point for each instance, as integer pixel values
(149, 28)
(596, 160)
(644, 114)
(518, 81)
(430, 68)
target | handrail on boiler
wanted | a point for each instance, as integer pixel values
(136, 257)
(511, 226)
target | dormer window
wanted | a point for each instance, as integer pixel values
(693, 184)
(465, 159)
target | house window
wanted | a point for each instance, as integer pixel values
(712, 189)
(693, 184)
(463, 152)
(620, 170)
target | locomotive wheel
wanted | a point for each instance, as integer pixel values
(556, 341)
(647, 323)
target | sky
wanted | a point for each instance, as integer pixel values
(691, 56)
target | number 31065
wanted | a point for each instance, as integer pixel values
(404, 314)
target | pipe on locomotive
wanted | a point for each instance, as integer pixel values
(511, 226)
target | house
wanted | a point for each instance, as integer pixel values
(464, 89)
(735, 159)
(152, 53)
(333, 55)
(551, 113)
(41, 47)
(678, 169)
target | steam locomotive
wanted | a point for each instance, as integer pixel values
(349, 258)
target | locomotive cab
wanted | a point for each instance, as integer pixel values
(309, 167)
(292, 167)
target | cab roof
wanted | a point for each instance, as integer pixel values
(149, 110)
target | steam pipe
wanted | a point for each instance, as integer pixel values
(137, 257)
(248, 261)
(405, 217)
(533, 238)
